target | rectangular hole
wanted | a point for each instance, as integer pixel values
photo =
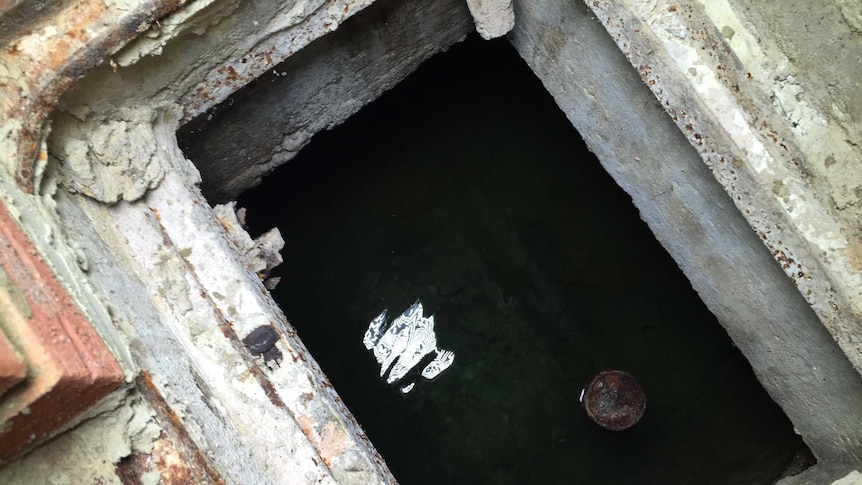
(467, 188)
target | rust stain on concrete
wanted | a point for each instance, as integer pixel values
(175, 455)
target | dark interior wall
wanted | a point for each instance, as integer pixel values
(266, 123)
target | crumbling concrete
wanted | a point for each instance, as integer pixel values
(43, 62)
(261, 254)
(692, 216)
(112, 205)
(237, 143)
(494, 18)
(101, 442)
(110, 157)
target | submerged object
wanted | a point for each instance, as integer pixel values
(404, 343)
(614, 400)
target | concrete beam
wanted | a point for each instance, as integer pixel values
(638, 143)
(249, 136)
(734, 97)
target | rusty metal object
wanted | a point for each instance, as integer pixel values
(614, 400)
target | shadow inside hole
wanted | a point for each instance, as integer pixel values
(466, 187)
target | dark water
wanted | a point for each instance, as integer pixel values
(467, 188)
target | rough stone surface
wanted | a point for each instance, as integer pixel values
(852, 12)
(319, 87)
(110, 158)
(760, 152)
(792, 354)
(852, 478)
(494, 18)
(831, 473)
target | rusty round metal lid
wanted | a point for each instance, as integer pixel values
(614, 400)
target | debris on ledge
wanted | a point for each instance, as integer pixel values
(261, 254)
(494, 18)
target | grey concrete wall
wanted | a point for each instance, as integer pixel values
(733, 93)
(792, 354)
(820, 89)
(319, 87)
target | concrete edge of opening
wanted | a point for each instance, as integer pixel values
(725, 90)
(793, 355)
(834, 474)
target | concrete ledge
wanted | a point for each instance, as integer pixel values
(763, 139)
(825, 473)
(793, 355)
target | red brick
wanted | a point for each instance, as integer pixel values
(69, 368)
(12, 370)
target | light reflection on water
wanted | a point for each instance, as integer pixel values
(400, 346)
